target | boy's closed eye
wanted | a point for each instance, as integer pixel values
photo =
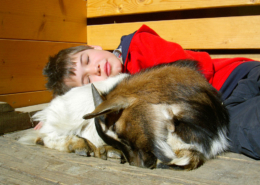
(84, 61)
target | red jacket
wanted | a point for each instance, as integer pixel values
(148, 49)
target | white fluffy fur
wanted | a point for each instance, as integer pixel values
(62, 119)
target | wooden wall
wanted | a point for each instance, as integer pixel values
(31, 31)
(224, 28)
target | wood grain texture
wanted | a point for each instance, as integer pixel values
(14, 121)
(209, 33)
(27, 98)
(22, 62)
(99, 8)
(255, 57)
(53, 20)
(25, 164)
(31, 31)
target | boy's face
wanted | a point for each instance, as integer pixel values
(93, 65)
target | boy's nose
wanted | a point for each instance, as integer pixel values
(94, 70)
(98, 70)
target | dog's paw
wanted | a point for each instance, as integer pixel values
(81, 146)
(84, 152)
(105, 152)
(101, 153)
(116, 154)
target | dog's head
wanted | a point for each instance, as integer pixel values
(139, 134)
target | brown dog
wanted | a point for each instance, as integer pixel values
(168, 115)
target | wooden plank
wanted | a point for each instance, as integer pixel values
(15, 121)
(209, 33)
(22, 62)
(12, 120)
(11, 176)
(255, 57)
(26, 99)
(5, 107)
(55, 20)
(99, 8)
(51, 166)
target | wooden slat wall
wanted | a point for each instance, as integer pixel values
(220, 26)
(190, 34)
(51, 20)
(31, 31)
(100, 8)
(27, 98)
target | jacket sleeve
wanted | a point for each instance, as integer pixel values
(148, 49)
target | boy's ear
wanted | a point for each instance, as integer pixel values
(96, 47)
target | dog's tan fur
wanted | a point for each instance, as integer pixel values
(154, 116)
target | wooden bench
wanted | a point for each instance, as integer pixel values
(30, 31)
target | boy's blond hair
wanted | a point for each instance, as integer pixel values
(59, 67)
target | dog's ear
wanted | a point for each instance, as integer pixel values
(98, 99)
(106, 106)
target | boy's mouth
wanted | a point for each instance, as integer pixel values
(107, 69)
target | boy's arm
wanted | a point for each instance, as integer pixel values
(148, 49)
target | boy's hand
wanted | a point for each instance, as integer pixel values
(38, 126)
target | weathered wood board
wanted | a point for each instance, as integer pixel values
(21, 164)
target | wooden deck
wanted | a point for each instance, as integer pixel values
(21, 164)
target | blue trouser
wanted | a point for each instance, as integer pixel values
(244, 108)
